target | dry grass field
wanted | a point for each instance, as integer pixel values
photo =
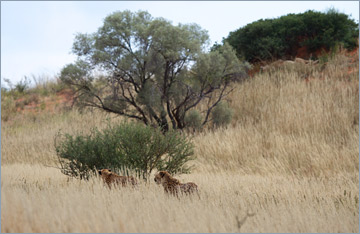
(288, 162)
(38, 199)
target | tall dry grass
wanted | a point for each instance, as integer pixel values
(290, 158)
(286, 124)
(38, 199)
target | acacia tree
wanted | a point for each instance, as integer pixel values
(151, 70)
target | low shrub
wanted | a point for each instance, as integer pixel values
(222, 114)
(127, 148)
(193, 120)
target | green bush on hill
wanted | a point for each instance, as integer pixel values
(282, 37)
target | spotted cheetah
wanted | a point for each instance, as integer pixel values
(110, 177)
(173, 186)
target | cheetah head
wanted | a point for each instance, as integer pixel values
(160, 176)
(104, 172)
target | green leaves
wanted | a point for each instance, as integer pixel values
(115, 103)
(76, 72)
(123, 148)
(222, 114)
(281, 37)
(83, 44)
(154, 71)
(193, 119)
(149, 96)
(219, 66)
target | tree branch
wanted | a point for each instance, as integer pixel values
(216, 102)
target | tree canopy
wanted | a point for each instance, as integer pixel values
(282, 37)
(151, 70)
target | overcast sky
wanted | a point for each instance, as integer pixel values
(36, 37)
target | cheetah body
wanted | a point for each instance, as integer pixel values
(110, 178)
(173, 186)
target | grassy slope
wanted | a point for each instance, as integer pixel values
(290, 157)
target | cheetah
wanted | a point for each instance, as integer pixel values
(110, 177)
(173, 186)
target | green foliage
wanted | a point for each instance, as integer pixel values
(22, 85)
(193, 119)
(124, 148)
(154, 71)
(77, 71)
(282, 37)
(216, 46)
(222, 114)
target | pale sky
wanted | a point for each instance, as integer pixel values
(37, 37)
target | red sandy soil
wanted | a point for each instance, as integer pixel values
(51, 103)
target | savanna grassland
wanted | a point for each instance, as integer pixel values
(288, 162)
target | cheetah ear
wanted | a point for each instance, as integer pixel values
(162, 173)
(99, 172)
